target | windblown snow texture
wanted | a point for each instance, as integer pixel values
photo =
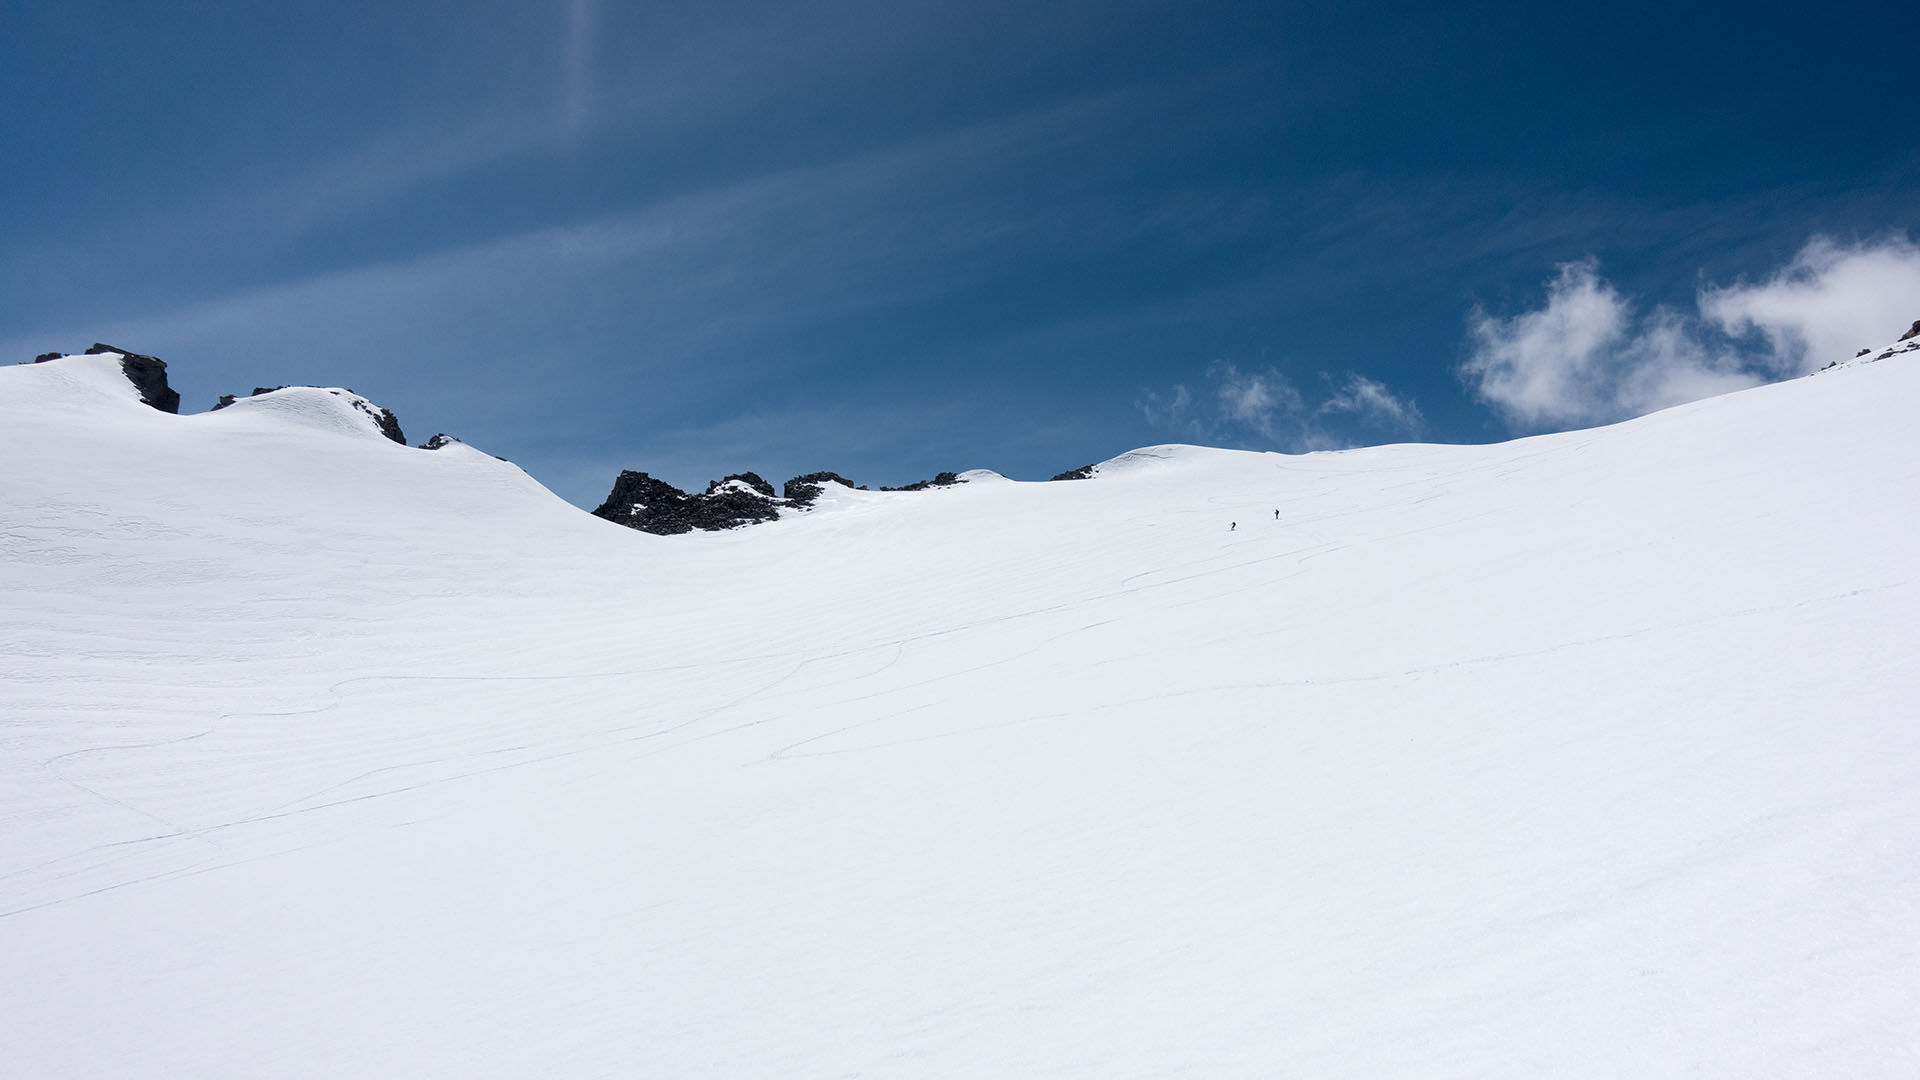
(1584, 755)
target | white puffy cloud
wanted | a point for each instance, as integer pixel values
(1588, 356)
(1544, 366)
(1828, 303)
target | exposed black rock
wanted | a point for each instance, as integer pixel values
(732, 508)
(444, 440)
(802, 490)
(1084, 472)
(46, 356)
(752, 480)
(231, 398)
(388, 423)
(945, 479)
(641, 502)
(148, 374)
(635, 500)
(228, 399)
(638, 501)
(1908, 342)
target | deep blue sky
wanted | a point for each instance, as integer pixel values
(892, 238)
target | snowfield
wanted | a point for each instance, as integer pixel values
(1593, 754)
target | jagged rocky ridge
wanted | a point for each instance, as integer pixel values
(642, 502)
(639, 501)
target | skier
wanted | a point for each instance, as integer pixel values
(1276, 515)
(1232, 525)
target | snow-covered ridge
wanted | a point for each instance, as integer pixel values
(106, 370)
(1908, 342)
(1585, 755)
(321, 408)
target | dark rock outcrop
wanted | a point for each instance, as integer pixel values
(444, 440)
(46, 356)
(752, 480)
(228, 399)
(945, 479)
(1084, 472)
(384, 419)
(148, 374)
(641, 502)
(1905, 344)
(802, 490)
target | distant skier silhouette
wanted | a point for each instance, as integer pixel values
(1232, 525)
(1276, 515)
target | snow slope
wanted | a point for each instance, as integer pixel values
(1584, 755)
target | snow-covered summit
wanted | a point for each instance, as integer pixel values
(102, 370)
(319, 408)
(61, 381)
(1167, 456)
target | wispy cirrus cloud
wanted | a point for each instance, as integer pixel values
(1591, 355)
(744, 262)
